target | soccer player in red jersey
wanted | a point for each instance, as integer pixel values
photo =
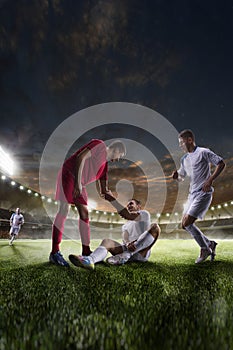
(87, 165)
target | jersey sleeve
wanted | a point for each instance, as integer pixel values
(104, 174)
(212, 158)
(181, 170)
(99, 155)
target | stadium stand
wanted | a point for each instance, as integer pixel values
(218, 222)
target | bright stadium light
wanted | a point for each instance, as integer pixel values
(21, 187)
(3, 177)
(13, 183)
(6, 163)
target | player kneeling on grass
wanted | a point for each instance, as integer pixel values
(138, 237)
(16, 221)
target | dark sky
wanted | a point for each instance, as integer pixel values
(59, 57)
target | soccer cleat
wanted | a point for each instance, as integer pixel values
(82, 261)
(58, 259)
(118, 259)
(203, 255)
(213, 246)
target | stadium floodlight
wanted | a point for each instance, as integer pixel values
(6, 163)
(21, 187)
(36, 194)
(3, 177)
(13, 183)
(29, 191)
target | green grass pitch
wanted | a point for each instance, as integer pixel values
(167, 303)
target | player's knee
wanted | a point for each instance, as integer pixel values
(105, 242)
(155, 230)
(83, 214)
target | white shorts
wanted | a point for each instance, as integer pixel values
(14, 230)
(197, 204)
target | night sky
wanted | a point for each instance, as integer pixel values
(59, 57)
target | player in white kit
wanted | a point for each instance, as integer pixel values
(138, 236)
(196, 164)
(16, 221)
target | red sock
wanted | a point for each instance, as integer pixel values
(86, 250)
(58, 227)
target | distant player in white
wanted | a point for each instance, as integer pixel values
(16, 221)
(138, 236)
(196, 164)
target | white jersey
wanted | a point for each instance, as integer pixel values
(16, 220)
(196, 165)
(136, 227)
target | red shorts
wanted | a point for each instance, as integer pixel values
(65, 188)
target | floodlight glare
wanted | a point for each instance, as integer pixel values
(6, 163)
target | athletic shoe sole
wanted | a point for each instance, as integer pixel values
(75, 261)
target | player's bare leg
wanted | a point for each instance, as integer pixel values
(57, 232)
(84, 228)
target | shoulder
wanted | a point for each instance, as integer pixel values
(96, 144)
(204, 151)
(144, 214)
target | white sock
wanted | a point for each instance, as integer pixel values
(201, 239)
(99, 254)
(144, 241)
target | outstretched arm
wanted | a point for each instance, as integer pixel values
(122, 211)
(219, 168)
